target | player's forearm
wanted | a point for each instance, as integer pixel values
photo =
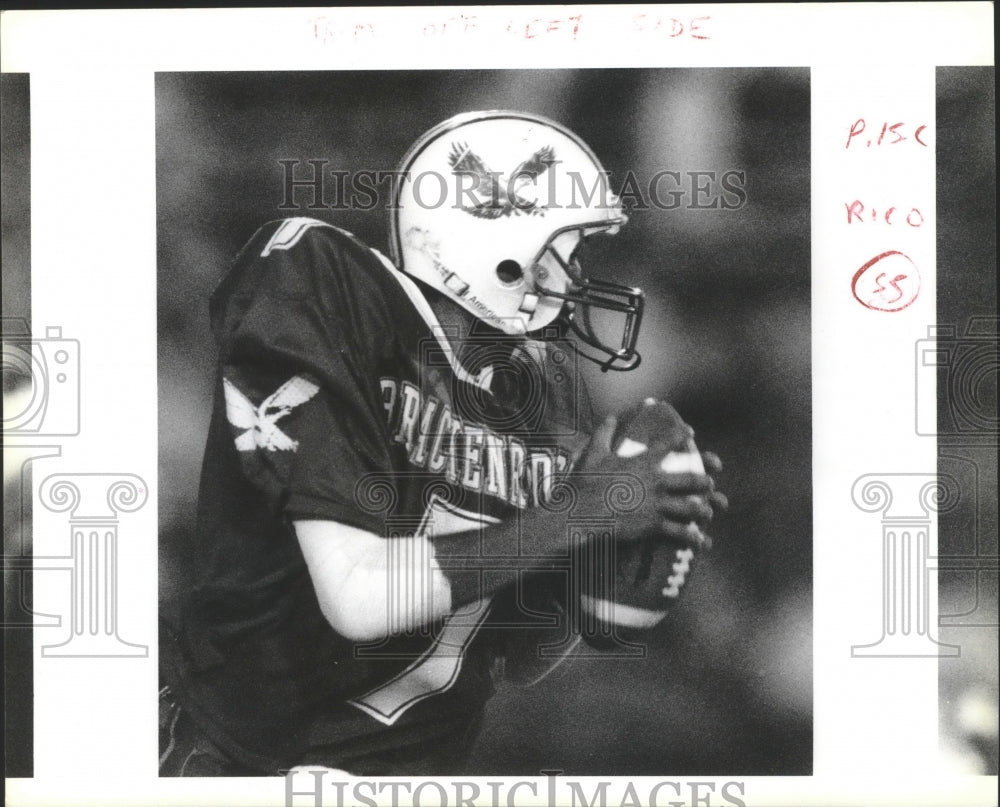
(479, 563)
(399, 588)
(411, 581)
(370, 587)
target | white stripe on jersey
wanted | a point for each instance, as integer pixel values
(484, 378)
(290, 231)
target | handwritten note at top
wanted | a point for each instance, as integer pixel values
(326, 29)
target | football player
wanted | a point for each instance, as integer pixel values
(402, 462)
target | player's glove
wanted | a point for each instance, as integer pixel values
(630, 585)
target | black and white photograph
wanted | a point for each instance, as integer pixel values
(585, 405)
(557, 248)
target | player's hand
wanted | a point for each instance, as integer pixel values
(633, 584)
(694, 508)
(713, 465)
(651, 446)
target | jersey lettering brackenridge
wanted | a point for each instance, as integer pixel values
(469, 454)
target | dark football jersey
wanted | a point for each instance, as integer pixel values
(340, 397)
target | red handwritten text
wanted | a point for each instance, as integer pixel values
(462, 24)
(328, 29)
(887, 135)
(532, 29)
(891, 215)
(888, 282)
(671, 26)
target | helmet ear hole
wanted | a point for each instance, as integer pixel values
(509, 272)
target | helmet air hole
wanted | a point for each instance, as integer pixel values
(509, 272)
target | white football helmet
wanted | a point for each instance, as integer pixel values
(490, 210)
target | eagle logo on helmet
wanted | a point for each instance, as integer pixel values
(528, 275)
(494, 201)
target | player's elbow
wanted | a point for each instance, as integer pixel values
(364, 620)
(347, 570)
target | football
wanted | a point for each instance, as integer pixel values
(644, 578)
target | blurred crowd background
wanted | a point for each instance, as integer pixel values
(726, 686)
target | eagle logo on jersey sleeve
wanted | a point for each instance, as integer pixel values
(260, 423)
